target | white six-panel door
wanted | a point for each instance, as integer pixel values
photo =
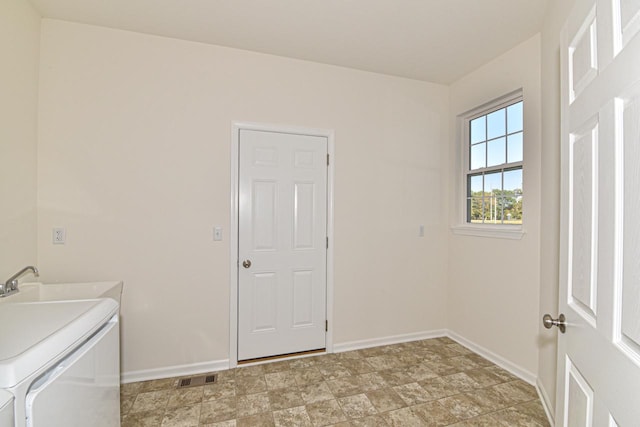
(599, 355)
(282, 243)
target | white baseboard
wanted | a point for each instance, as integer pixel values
(546, 402)
(395, 339)
(516, 370)
(219, 365)
(174, 371)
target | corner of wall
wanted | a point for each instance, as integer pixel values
(547, 403)
(478, 300)
(557, 13)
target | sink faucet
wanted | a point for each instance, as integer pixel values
(11, 285)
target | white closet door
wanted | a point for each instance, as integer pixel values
(282, 249)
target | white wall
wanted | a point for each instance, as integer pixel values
(134, 161)
(557, 13)
(494, 283)
(19, 50)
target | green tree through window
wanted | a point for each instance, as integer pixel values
(497, 207)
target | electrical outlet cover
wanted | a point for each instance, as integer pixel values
(59, 236)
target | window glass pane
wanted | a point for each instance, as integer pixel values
(475, 211)
(513, 180)
(496, 124)
(514, 117)
(499, 210)
(492, 181)
(496, 152)
(489, 209)
(514, 147)
(478, 129)
(478, 156)
(475, 185)
(511, 209)
(513, 196)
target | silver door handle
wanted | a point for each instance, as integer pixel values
(246, 263)
(560, 322)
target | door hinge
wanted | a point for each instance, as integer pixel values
(327, 242)
(326, 326)
(327, 160)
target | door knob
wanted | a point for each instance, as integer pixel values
(560, 322)
(246, 263)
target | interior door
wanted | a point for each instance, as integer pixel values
(599, 355)
(282, 243)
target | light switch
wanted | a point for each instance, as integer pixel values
(421, 231)
(217, 234)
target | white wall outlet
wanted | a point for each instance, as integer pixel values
(217, 234)
(59, 236)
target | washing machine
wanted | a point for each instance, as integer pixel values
(6, 409)
(60, 363)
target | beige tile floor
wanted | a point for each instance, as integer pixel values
(434, 382)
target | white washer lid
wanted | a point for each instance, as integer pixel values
(33, 335)
(6, 399)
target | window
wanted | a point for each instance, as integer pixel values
(493, 140)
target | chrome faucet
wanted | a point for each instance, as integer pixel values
(11, 285)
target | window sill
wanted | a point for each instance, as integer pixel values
(491, 231)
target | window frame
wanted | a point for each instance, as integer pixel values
(462, 227)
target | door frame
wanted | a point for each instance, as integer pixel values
(236, 127)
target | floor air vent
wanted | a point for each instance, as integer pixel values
(196, 381)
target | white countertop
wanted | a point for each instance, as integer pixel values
(34, 334)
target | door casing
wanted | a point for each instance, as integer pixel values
(233, 231)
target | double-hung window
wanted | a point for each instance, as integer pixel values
(493, 144)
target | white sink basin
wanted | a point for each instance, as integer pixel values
(34, 292)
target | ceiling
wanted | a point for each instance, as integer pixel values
(432, 40)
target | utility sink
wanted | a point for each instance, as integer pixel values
(37, 292)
